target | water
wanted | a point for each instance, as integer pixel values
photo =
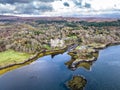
(49, 73)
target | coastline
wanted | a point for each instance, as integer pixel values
(74, 62)
(79, 82)
(79, 79)
(36, 34)
(36, 56)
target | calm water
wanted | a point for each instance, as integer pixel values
(49, 73)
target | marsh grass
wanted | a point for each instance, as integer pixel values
(11, 57)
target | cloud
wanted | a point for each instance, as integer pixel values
(31, 8)
(14, 1)
(59, 7)
(87, 5)
(22, 1)
(6, 8)
(47, 0)
(66, 4)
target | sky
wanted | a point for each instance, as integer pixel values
(60, 7)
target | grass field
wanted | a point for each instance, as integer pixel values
(11, 57)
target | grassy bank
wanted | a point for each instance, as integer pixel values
(10, 57)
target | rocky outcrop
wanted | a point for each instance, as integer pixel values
(77, 83)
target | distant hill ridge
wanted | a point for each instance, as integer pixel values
(89, 19)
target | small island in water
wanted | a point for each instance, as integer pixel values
(25, 39)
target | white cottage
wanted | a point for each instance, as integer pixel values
(57, 42)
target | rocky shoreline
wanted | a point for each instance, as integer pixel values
(93, 55)
(36, 56)
(84, 38)
(73, 63)
(79, 82)
(37, 35)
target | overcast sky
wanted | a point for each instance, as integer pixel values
(59, 7)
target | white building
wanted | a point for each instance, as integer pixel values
(57, 42)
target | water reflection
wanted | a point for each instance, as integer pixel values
(52, 53)
(51, 73)
(78, 82)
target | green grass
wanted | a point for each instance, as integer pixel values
(11, 57)
(47, 47)
(72, 36)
